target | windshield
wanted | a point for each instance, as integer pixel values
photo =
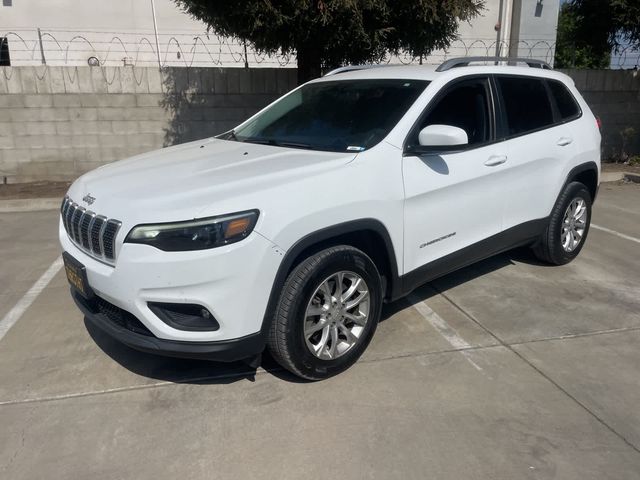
(339, 116)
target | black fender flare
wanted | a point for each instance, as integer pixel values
(323, 235)
(577, 170)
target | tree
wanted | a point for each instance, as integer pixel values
(589, 30)
(328, 33)
(573, 51)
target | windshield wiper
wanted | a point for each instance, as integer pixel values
(296, 145)
(230, 135)
(260, 141)
(277, 143)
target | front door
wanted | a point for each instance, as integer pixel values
(453, 198)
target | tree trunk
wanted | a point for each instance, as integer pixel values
(309, 63)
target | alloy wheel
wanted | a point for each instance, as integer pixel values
(336, 315)
(574, 224)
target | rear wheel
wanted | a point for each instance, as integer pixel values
(568, 226)
(327, 313)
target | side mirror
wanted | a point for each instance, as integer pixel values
(442, 136)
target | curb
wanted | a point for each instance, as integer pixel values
(632, 177)
(29, 205)
(607, 177)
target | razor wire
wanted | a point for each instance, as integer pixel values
(203, 49)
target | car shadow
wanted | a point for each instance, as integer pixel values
(464, 275)
(181, 370)
(206, 372)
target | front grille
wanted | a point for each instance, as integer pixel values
(95, 234)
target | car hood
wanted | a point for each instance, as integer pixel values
(202, 178)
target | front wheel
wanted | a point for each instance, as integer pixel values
(568, 226)
(327, 313)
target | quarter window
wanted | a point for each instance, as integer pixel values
(526, 104)
(568, 108)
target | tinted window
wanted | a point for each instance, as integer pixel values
(466, 106)
(337, 115)
(567, 105)
(526, 104)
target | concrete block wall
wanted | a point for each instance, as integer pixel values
(613, 96)
(59, 122)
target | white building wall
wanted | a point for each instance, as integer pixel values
(119, 32)
(533, 28)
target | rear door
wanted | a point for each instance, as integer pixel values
(539, 145)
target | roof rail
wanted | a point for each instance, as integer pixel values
(352, 68)
(465, 61)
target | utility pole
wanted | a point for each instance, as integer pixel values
(155, 29)
(44, 60)
(504, 28)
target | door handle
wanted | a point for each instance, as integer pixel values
(495, 160)
(564, 141)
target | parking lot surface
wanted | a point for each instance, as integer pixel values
(508, 369)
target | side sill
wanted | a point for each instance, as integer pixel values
(523, 234)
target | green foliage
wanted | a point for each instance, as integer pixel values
(328, 33)
(617, 20)
(573, 51)
(588, 30)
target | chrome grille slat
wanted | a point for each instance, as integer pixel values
(67, 213)
(109, 236)
(72, 223)
(70, 212)
(94, 234)
(76, 225)
(63, 211)
(101, 236)
(90, 244)
(85, 221)
(65, 206)
(95, 230)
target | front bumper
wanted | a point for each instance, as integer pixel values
(132, 335)
(233, 282)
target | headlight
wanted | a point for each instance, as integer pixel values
(195, 234)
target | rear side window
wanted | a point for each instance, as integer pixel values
(568, 108)
(526, 104)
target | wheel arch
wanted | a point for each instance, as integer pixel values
(587, 174)
(368, 235)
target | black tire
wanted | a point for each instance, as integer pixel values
(286, 341)
(549, 249)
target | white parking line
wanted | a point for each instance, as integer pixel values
(617, 234)
(25, 302)
(442, 327)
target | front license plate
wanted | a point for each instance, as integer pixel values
(77, 275)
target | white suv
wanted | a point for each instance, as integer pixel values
(290, 231)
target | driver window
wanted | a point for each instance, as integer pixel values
(464, 105)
